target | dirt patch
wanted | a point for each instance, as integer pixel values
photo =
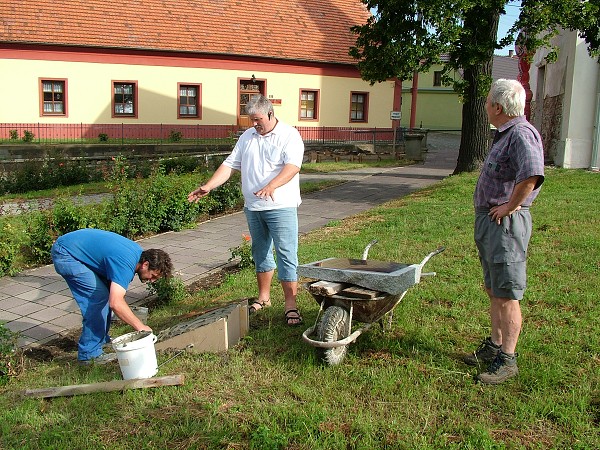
(213, 280)
(59, 348)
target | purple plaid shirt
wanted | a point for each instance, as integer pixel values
(516, 155)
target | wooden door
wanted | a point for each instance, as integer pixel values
(248, 88)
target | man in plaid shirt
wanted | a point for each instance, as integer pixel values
(510, 180)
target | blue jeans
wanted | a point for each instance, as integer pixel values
(90, 291)
(279, 228)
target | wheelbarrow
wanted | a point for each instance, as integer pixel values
(355, 289)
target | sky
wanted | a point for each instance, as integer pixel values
(507, 21)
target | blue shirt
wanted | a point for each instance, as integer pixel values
(516, 154)
(109, 255)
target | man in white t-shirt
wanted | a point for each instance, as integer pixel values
(269, 157)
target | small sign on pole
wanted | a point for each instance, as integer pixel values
(395, 115)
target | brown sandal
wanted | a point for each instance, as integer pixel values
(296, 316)
(255, 305)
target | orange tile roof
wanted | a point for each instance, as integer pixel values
(305, 30)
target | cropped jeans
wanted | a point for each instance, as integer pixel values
(279, 228)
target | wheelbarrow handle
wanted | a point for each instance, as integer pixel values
(366, 250)
(433, 253)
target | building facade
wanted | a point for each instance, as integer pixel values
(565, 105)
(185, 62)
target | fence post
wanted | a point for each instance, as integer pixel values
(374, 134)
(122, 133)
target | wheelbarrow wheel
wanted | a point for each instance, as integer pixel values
(332, 327)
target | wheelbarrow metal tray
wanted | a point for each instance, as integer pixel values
(392, 278)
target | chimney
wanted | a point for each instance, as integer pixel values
(510, 53)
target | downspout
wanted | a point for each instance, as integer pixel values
(594, 163)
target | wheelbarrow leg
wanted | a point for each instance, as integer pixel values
(386, 321)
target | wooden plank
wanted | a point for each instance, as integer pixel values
(108, 386)
(326, 287)
(358, 292)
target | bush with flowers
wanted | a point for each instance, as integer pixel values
(243, 252)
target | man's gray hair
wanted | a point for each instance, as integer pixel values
(259, 104)
(509, 94)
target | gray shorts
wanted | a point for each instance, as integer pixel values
(503, 252)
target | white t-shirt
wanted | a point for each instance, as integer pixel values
(261, 158)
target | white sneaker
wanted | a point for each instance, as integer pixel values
(104, 358)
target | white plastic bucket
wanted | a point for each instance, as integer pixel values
(136, 354)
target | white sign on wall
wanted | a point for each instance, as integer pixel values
(395, 115)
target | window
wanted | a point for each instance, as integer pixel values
(309, 104)
(53, 97)
(188, 103)
(124, 99)
(359, 105)
(437, 78)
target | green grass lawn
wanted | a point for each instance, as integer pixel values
(403, 389)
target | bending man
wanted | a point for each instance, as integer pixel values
(98, 266)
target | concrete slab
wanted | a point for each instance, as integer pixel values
(214, 331)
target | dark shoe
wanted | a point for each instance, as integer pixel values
(104, 358)
(500, 370)
(293, 318)
(256, 305)
(485, 353)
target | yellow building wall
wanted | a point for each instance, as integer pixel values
(436, 110)
(89, 91)
(438, 107)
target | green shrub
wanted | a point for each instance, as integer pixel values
(26, 178)
(103, 137)
(12, 238)
(14, 135)
(134, 210)
(28, 136)
(175, 136)
(67, 216)
(173, 207)
(168, 290)
(228, 195)
(53, 171)
(40, 228)
(180, 164)
(8, 253)
(243, 252)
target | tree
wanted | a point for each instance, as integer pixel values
(404, 36)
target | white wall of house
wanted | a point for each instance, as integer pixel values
(575, 76)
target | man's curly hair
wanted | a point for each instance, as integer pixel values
(158, 260)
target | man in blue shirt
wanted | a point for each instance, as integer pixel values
(510, 180)
(98, 266)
